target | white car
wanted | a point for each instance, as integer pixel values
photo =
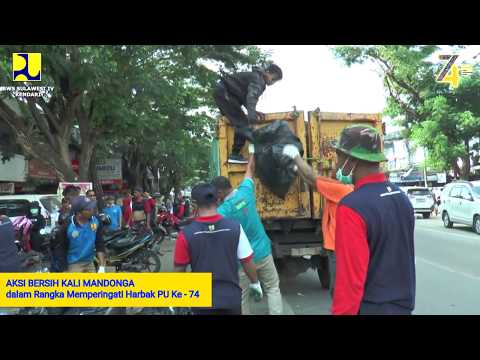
(461, 204)
(422, 200)
(15, 205)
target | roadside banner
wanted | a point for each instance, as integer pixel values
(7, 188)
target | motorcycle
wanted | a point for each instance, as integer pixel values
(169, 221)
(133, 251)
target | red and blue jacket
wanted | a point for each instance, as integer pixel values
(375, 250)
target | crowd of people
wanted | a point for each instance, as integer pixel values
(368, 222)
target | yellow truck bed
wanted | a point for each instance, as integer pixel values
(294, 224)
(315, 133)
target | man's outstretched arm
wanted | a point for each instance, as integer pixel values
(305, 171)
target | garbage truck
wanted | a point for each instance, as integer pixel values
(294, 223)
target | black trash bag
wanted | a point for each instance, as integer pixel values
(274, 169)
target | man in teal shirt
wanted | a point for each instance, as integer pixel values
(240, 204)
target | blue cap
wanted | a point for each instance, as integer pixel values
(80, 203)
(204, 194)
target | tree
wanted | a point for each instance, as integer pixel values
(436, 117)
(107, 93)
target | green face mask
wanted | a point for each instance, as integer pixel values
(345, 179)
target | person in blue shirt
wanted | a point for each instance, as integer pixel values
(80, 239)
(115, 213)
(240, 205)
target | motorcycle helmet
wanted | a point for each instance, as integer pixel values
(105, 219)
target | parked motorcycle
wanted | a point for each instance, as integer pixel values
(170, 222)
(133, 251)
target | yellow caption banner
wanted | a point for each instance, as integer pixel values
(106, 290)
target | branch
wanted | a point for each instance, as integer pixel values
(397, 99)
(399, 82)
(83, 122)
(9, 116)
(51, 117)
(41, 123)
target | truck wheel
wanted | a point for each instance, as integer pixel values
(324, 272)
(426, 215)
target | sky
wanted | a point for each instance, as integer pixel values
(313, 77)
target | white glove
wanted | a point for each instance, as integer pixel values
(101, 269)
(251, 149)
(257, 290)
(291, 151)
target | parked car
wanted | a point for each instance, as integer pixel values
(422, 200)
(18, 205)
(461, 204)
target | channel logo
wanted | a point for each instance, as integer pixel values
(27, 66)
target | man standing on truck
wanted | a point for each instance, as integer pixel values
(244, 88)
(214, 244)
(333, 191)
(240, 205)
(374, 232)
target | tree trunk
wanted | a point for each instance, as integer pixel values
(96, 183)
(85, 159)
(138, 175)
(466, 162)
(456, 169)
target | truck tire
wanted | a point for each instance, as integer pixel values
(324, 272)
(426, 215)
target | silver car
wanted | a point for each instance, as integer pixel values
(461, 204)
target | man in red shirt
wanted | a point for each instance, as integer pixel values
(153, 207)
(214, 244)
(374, 232)
(127, 209)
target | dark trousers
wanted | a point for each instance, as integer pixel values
(332, 267)
(234, 311)
(383, 309)
(231, 108)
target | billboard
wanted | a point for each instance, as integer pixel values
(39, 170)
(15, 169)
(109, 170)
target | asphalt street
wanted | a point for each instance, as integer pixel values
(448, 275)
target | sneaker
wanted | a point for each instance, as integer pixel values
(237, 159)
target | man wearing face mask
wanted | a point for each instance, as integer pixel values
(38, 223)
(374, 231)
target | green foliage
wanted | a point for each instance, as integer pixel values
(140, 101)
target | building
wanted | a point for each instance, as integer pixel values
(406, 161)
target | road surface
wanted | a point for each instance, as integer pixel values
(448, 275)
